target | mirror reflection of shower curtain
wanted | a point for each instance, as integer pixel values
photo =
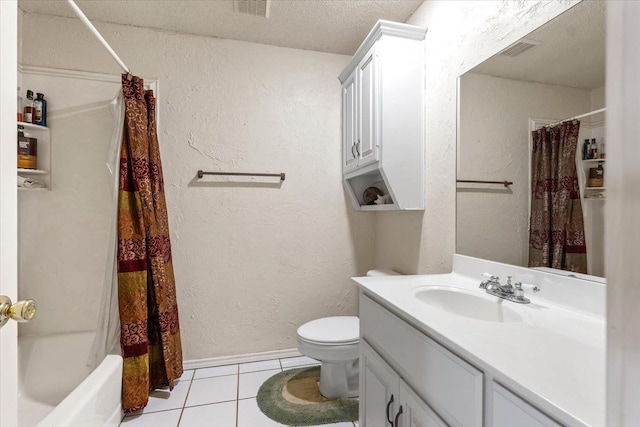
(556, 231)
(107, 339)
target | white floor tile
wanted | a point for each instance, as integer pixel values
(161, 400)
(156, 419)
(249, 415)
(213, 390)
(346, 424)
(292, 362)
(264, 365)
(187, 375)
(218, 414)
(216, 371)
(249, 383)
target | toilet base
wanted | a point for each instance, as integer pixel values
(339, 380)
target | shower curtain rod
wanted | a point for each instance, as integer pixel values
(602, 110)
(95, 32)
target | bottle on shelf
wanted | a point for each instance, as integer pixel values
(27, 150)
(585, 150)
(602, 150)
(19, 106)
(593, 149)
(28, 108)
(40, 105)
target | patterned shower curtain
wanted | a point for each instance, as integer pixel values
(150, 331)
(556, 236)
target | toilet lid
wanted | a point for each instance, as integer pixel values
(331, 330)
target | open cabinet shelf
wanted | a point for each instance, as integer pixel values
(43, 172)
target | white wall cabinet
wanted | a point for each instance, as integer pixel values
(401, 367)
(383, 117)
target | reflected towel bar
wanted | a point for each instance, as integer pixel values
(202, 173)
(505, 183)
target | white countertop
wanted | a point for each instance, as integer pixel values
(554, 358)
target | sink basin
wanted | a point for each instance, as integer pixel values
(467, 304)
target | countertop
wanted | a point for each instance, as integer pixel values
(554, 358)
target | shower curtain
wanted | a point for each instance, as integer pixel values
(556, 232)
(150, 331)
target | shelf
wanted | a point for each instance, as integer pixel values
(32, 189)
(390, 207)
(33, 171)
(594, 160)
(32, 126)
(594, 198)
(595, 188)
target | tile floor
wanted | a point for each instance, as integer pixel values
(224, 396)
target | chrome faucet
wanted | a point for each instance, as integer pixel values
(508, 291)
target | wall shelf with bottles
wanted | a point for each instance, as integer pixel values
(43, 171)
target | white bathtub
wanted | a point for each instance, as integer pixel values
(57, 389)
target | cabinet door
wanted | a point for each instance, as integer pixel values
(509, 410)
(367, 79)
(378, 389)
(415, 412)
(349, 124)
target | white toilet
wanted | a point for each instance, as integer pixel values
(334, 342)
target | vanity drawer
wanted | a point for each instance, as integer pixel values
(445, 381)
(509, 410)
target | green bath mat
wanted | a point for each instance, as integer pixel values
(292, 397)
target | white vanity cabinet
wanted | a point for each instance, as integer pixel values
(508, 410)
(390, 400)
(448, 384)
(383, 117)
(400, 366)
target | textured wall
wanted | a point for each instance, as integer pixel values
(461, 35)
(493, 222)
(252, 262)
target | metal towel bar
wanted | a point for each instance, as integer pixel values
(505, 183)
(202, 173)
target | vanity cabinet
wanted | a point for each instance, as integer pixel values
(390, 400)
(508, 410)
(382, 117)
(400, 366)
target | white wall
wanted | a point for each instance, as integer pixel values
(461, 35)
(252, 262)
(493, 222)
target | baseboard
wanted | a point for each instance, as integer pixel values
(240, 358)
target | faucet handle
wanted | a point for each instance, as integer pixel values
(490, 276)
(527, 286)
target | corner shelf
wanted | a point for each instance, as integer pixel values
(43, 135)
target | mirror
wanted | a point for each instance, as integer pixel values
(555, 73)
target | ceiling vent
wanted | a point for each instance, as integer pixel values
(253, 7)
(519, 47)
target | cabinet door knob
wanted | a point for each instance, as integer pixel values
(353, 146)
(389, 407)
(358, 148)
(395, 424)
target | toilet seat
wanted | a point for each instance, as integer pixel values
(331, 331)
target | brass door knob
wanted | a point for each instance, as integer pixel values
(22, 311)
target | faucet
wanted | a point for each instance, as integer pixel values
(507, 291)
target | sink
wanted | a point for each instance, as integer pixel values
(468, 304)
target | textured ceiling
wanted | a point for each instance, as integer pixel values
(572, 52)
(336, 26)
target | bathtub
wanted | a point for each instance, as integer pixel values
(57, 389)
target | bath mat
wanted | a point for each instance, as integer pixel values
(292, 397)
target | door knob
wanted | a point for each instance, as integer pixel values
(22, 311)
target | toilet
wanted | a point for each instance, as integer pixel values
(334, 342)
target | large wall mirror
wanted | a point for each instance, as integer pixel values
(555, 73)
